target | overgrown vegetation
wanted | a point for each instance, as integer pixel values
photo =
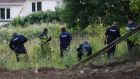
(83, 13)
(36, 18)
(89, 15)
(33, 47)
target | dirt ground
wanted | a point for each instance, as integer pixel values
(127, 71)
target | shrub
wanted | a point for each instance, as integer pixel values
(18, 21)
(38, 17)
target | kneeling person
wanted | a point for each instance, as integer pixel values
(84, 48)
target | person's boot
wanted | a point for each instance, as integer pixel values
(111, 58)
(61, 55)
(17, 57)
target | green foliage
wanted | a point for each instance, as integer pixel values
(95, 36)
(135, 8)
(36, 18)
(83, 13)
(17, 21)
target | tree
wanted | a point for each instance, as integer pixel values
(78, 12)
(135, 9)
(84, 12)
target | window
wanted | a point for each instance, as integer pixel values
(4, 13)
(33, 7)
(8, 13)
(39, 7)
(36, 6)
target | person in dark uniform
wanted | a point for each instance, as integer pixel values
(131, 39)
(112, 33)
(65, 40)
(84, 48)
(17, 44)
(45, 47)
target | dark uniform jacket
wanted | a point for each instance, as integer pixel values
(132, 26)
(17, 43)
(112, 34)
(65, 39)
(85, 47)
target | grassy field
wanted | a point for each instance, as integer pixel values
(94, 35)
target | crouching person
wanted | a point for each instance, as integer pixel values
(84, 48)
(17, 45)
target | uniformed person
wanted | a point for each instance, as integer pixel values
(83, 49)
(132, 39)
(112, 33)
(65, 40)
(17, 44)
(45, 47)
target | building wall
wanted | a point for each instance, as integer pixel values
(49, 5)
(15, 11)
(26, 8)
(2, 23)
(46, 5)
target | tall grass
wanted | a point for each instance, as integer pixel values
(94, 35)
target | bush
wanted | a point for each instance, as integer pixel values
(18, 21)
(38, 17)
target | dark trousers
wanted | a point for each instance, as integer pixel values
(19, 53)
(81, 53)
(63, 48)
(130, 46)
(111, 52)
